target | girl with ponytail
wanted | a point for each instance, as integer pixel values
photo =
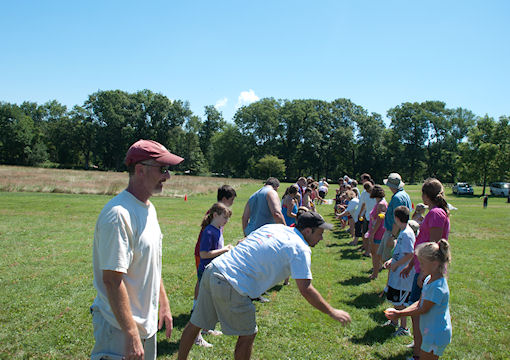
(433, 306)
(435, 226)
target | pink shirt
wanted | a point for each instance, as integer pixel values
(373, 219)
(436, 217)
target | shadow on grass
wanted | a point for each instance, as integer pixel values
(350, 254)
(367, 301)
(275, 288)
(378, 316)
(166, 347)
(181, 320)
(338, 245)
(355, 280)
(402, 356)
(377, 335)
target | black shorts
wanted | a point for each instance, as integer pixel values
(322, 194)
(398, 297)
(357, 229)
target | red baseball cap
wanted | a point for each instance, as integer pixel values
(149, 149)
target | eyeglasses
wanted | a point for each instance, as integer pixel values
(162, 169)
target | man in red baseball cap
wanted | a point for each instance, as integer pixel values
(127, 261)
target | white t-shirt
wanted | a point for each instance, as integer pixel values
(364, 198)
(127, 239)
(266, 257)
(405, 245)
(353, 208)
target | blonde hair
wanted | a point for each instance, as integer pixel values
(218, 208)
(433, 251)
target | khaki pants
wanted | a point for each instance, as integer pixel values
(386, 246)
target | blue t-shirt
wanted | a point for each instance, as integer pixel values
(212, 239)
(436, 325)
(398, 199)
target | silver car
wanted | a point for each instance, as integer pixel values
(500, 188)
(462, 188)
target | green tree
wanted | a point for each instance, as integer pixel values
(213, 123)
(410, 128)
(16, 135)
(270, 165)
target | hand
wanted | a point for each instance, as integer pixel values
(133, 348)
(391, 314)
(229, 247)
(340, 315)
(387, 264)
(165, 318)
(405, 272)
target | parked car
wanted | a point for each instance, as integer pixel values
(500, 188)
(462, 188)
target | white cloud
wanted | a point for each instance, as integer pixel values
(221, 103)
(246, 98)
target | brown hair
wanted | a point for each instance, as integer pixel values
(217, 208)
(402, 213)
(434, 190)
(377, 192)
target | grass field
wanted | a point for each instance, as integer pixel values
(46, 283)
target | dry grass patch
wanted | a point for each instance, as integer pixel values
(30, 179)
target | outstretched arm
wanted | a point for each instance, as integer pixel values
(317, 301)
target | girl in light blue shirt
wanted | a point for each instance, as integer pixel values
(433, 306)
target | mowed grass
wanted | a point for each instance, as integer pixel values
(46, 283)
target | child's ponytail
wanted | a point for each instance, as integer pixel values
(433, 251)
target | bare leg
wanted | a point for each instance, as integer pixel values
(244, 346)
(416, 335)
(428, 356)
(376, 263)
(195, 296)
(188, 337)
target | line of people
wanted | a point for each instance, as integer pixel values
(415, 250)
(132, 303)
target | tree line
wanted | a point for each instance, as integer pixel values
(283, 138)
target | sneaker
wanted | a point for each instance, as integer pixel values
(390, 322)
(211, 332)
(262, 299)
(411, 345)
(199, 341)
(401, 331)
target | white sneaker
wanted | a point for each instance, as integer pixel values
(199, 341)
(211, 332)
(411, 345)
(388, 323)
(401, 331)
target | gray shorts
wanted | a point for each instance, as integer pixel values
(385, 248)
(218, 301)
(110, 341)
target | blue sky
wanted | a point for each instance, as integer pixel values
(377, 53)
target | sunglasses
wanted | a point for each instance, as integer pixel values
(162, 169)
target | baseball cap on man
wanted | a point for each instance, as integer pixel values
(312, 219)
(394, 181)
(149, 149)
